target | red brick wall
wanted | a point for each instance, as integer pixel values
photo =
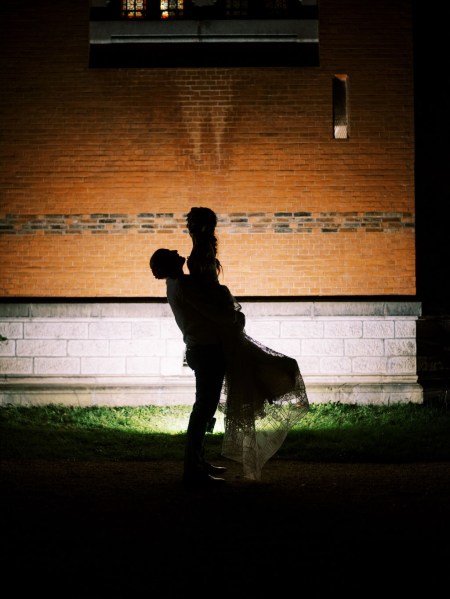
(98, 167)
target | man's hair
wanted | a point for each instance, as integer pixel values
(161, 263)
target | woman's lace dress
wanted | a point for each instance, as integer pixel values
(264, 391)
(265, 397)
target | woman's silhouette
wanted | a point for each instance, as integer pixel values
(265, 392)
(203, 262)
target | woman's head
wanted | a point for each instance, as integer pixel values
(201, 221)
(201, 224)
(166, 263)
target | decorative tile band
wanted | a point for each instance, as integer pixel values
(234, 222)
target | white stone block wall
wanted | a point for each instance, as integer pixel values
(132, 353)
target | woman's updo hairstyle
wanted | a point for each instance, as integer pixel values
(201, 221)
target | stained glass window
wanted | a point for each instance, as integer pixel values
(236, 8)
(171, 8)
(134, 9)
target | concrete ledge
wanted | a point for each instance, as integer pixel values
(85, 391)
(65, 309)
(97, 391)
(366, 394)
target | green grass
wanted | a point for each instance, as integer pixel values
(328, 433)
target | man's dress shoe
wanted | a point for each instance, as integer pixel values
(210, 469)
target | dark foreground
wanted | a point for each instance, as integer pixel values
(72, 529)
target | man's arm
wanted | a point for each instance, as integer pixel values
(214, 303)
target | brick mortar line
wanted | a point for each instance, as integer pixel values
(242, 222)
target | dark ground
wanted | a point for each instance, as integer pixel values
(130, 529)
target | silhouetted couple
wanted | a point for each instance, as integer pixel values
(264, 390)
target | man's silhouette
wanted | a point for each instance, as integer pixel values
(200, 315)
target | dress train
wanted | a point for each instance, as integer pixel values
(265, 398)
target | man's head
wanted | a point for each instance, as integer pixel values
(166, 263)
